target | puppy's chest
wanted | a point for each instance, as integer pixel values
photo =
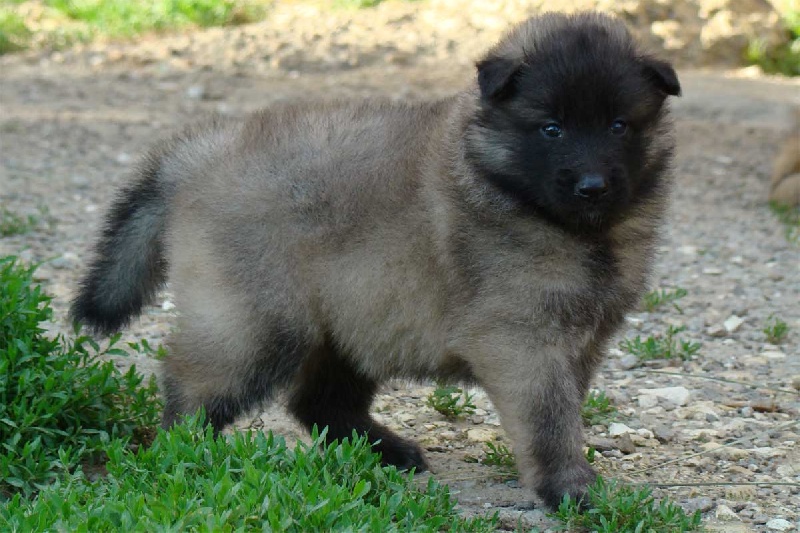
(565, 286)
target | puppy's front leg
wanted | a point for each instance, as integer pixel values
(539, 402)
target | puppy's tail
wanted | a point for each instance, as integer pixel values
(129, 264)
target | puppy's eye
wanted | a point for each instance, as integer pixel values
(619, 127)
(552, 129)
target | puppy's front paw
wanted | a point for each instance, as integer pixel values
(573, 481)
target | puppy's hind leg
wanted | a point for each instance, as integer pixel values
(226, 375)
(329, 391)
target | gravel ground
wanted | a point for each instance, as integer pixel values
(72, 124)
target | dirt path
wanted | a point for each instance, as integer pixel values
(71, 127)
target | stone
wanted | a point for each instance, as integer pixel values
(664, 434)
(616, 429)
(702, 504)
(733, 323)
(716, 331)
(647, 401)
(601, 444)
(196, 92)
(481, 435)
(779, 524)
(625, 444)
(629, 361)
(726, 514)
(672, 395)
(67, 261)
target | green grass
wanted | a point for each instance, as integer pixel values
(14, 33)
(655, 299)
(597, 409)
(82, 20)
(790, 217)
(355, 4)
(452, 402)
(80, 452)
(189, 480)
(785, 57)
(661, 347)
(13, 224)
(359, 4)
(499, 455)
(59, 404)
(775, 330)
(625, 509)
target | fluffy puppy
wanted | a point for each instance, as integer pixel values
(496, 237)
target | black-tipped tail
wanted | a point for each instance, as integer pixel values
(129, 264)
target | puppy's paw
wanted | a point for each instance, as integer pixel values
(401, 453)
(573, 481)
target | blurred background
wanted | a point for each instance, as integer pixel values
(339, 33)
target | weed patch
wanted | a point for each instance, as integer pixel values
(622, 509)
(790, 217)
(452, 402)
(499, 455)
(776, 330)
(783, 58)
(661, 347)
(655, 299)
(597, 409)
(59, 403)
(190, 480)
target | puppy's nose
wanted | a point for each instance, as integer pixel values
(591, 186)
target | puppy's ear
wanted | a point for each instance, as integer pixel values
(496, 77)
(662, 75)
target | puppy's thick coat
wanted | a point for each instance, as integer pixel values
(496, 237)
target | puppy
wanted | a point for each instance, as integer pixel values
(496, 237)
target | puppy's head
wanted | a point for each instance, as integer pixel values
(571, 120)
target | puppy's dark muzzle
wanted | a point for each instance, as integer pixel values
(591, 186)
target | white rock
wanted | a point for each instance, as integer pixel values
(616, 429)
(779, 524)
(481, 435)
(628, 362)
(726, 514)
(646, 401)
(768, 452)
(645, 433)
(673, 395)
(167, 305)
(733, 323)
(196, 92)
(716, 331)
(774, 354)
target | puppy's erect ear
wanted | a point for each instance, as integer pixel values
(496, 76)
(662, 75)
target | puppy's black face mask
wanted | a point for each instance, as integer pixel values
(576, 130)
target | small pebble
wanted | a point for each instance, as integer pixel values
(726, 514)
(673, 395)
(616, 429)
(733, 323)
(702, 504)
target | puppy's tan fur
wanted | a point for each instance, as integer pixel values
(326, 248)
